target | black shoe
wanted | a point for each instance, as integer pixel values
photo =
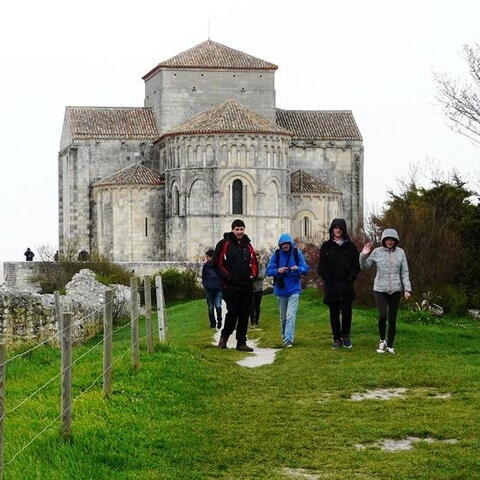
(212, 325)
(219, 324)
(244, 348)
(223, 342)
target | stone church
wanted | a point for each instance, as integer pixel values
(164, 181)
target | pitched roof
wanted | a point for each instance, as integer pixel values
(134, 175)
(320, 124)
(210, 54)
(110, 123)
(228, 117)
(303, 182)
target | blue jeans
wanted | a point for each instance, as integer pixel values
(288, 313)
(214, 302)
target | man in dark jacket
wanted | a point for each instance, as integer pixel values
(339, 267)
(213, 290)
(237, 265)
(29, 255)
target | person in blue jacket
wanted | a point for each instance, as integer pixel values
(286, 265)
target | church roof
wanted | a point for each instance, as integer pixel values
(210, 54)
(303, 182)
(228, 117)
(319, 124)
(110, 123)
(134, 175)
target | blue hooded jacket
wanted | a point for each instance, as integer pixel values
(292, 278)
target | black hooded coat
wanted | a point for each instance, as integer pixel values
(338, 265)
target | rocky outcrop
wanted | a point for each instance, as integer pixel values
(30, 317)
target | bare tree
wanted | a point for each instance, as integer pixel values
(461, 100)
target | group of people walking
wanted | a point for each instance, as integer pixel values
(232, 272)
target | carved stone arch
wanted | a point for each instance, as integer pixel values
(200, 198)
(242, 161)
(252, 156)
(189, 156)
(198, 158)
(233, 156)
(223, 155)
(209, 155)
(249, 192)
(272, 201)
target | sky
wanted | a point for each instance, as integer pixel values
(374, 57)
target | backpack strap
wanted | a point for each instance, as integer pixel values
(295, 256)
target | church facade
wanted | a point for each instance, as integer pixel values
(164, 181)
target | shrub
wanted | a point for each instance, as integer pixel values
(454, 299)
(55, 275)
(179, 285)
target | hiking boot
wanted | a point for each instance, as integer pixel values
(244, 348)
(219, 324)
(222, 343)
(347, 343)
(288, 344)
(381, 346)
(390, 350)
(337, 344)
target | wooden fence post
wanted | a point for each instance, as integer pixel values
(3, 358)
(134, 317)
(148, 312)
(107, 343)
(162, 327)
(58, 310)
(66, 404)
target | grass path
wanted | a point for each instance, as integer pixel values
(192, 413)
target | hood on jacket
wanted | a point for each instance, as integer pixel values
(286, 238)
(338, 222)
(390, 233)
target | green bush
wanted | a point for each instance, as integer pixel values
(454, 299)
(179, 285)
(55, 275)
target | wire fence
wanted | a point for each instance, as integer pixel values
(65, 372)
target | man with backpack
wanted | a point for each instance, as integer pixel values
(236, 264)
(286, 265)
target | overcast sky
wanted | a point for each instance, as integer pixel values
(375, 58)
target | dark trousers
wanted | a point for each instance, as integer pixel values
(387, 305)
(238, 309)
(255, 311)
(340, 329)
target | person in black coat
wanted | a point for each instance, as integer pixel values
(338, 267)
(29, 255)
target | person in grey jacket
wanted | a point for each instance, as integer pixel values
(392, 278)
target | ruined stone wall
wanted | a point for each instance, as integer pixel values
(30, 317)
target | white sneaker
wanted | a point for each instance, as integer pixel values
(390, 350)
(381, 346)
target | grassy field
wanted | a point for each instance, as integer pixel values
(192, 413)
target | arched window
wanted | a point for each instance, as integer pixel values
(176, 201)
(306, 227)
(237, 197)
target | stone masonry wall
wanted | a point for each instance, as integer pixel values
(30, 317)
(177, 95)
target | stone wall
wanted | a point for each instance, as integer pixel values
(176, 95)
(30, 317)
(79, 165)
(18, 275)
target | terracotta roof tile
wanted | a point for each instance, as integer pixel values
(133, 175)
(228, 117)
(319, 124)
(106, 123)
(303, 182)
(210, 54)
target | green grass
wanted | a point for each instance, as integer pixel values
(192, 413)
